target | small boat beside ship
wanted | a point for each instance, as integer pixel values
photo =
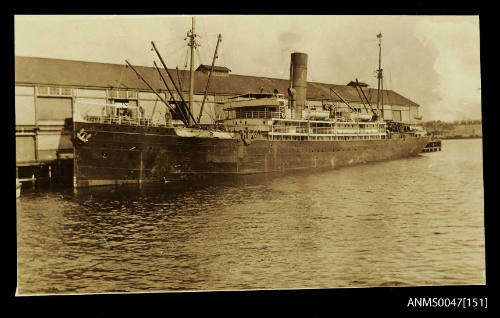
(260, 133)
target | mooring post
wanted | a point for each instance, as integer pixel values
(58, 168)
(140, 171)
(33, 177)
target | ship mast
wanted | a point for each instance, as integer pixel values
(219, 39)
(192, 43)
(380, 96)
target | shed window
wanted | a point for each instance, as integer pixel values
(43, 90)
(121, 94)
(220, 99)
(54, 91)
(65, 91)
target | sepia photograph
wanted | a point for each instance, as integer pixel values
(180, 153)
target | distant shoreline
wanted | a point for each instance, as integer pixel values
(460, 137)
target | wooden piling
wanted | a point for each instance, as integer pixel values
(434, 145)
(140, 171)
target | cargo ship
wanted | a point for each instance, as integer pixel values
(261, 133)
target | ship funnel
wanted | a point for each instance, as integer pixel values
(298, 84)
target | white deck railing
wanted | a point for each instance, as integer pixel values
(122, 120)
(256, 114)
(333, 130)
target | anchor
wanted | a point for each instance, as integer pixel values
(83, 136)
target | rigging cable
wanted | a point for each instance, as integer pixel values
(387, 94)
(183, 73)
(199, 56)
(121, 76)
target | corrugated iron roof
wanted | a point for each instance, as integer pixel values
(47, 71)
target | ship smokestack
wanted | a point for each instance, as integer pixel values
(298, 83)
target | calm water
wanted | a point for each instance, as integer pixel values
(416, 221)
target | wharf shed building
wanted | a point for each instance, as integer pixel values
(48, 92)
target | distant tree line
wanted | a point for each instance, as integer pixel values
(443, 129)
(443, 125)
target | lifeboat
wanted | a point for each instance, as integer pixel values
(361, 117)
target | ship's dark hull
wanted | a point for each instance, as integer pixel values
(117, 154)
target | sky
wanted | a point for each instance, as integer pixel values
(432, 60)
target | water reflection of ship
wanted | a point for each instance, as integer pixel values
(261, 133)
(177, 188)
